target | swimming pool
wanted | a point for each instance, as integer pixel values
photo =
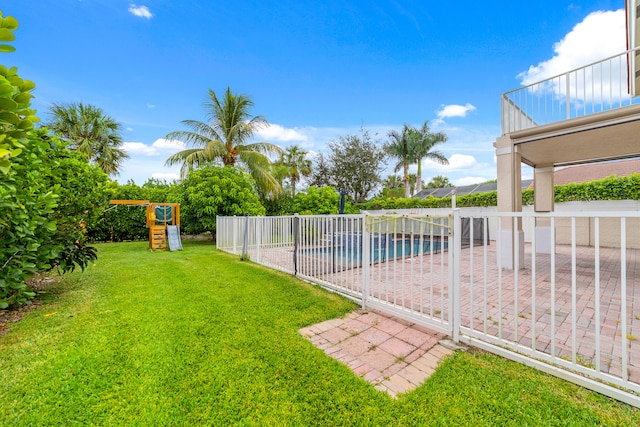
(383, 248)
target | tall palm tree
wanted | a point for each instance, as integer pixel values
(400, 147)
(225, 138)
(423, 142)
(89, 130)
(297, 165)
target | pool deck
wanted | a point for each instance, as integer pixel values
(518, 307)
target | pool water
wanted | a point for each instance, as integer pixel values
(382, 251)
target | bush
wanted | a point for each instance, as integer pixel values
(215, 190)
(610, 188)
(316, 201)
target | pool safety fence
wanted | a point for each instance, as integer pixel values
(497, 281)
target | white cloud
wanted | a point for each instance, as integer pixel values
(140, 11)
(161, 146)
(279, 133)
(165, 143)
(454, 110)
(151, 106)
(456, 162)
(169, 176)
(600, 35)
(138, 148)
(468, 180)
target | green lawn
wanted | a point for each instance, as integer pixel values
(200, 338)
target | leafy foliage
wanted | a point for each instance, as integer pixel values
(610, 188)
(118, 223)
(225, 138)
(75, 254)
(293, 165)
(89, 130)
(48, 197)
(215, 190)
(27, 229)
(316, 201)
(423, 143)
(354, 164)
(282, 204)
(440, 181)
(16, 116)
(47, 193)
(400, 147)
(82, 189)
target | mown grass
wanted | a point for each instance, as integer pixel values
(200, 338)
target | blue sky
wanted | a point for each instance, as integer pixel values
(315, 69)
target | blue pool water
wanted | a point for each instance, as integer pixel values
(381, 250)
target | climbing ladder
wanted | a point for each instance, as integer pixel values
(158, 237)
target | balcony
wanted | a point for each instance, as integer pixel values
(585, 115)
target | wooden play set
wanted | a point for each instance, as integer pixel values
(163, 222)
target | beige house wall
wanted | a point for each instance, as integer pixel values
(609, 227)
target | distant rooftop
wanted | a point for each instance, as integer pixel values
(465, 189)
(568, 175)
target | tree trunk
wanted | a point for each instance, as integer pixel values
(419, 177)
(407, 190)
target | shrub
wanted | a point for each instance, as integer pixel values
(215, 190)
(610, 188)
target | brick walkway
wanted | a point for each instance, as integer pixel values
(514, 309)
(394, 355)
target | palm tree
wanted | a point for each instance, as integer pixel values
(224, 138)
(400, 147)
(297, 165)
(90, 131)
(423, 141)
(392, 181)
(412, 184)
(439, 181)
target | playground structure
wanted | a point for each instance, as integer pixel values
(163, 222)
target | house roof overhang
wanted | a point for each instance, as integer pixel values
(610, 135)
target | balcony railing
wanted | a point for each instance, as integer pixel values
(595, 88)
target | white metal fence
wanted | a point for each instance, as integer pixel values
(591, 89)
(570, 310)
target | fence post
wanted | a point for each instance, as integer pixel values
(366, 260)
(455, 245)
(245, 238)
(258, 237)
(296, 238)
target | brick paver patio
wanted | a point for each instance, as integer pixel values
(514, 308)
(394, 355)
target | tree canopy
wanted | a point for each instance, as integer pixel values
(294, 165)
(16, 115)
(423, 143)
(410, 146)
(400, 146)
(226, 138)
(215, 190)
(354, 165)
(90, 131)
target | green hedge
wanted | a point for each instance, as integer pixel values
(610, 188)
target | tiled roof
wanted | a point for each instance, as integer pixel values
(568, 175)
(594, 171)
(466, 189)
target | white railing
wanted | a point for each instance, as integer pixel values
(591, 89)
(571, 310)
